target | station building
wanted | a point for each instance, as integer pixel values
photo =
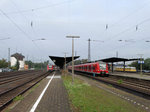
(17, 57)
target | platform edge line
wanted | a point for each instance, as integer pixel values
(40, 97)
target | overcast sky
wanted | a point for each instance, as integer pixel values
(126, 20)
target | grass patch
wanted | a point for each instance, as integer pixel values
(87, 98)
(120, 81)
(17, 98)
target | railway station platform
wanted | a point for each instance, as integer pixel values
(54, 99)
(131, 75)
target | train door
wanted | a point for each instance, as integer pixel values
(94, 67)
(87, 68)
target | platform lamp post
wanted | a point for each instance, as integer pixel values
(72, 55)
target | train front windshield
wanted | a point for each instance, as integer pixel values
(102, 65)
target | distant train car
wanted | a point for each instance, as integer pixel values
(50, 67)
(127, 69)
(98, 68)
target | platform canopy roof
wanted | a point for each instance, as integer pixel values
(60, 61)
(115, 59)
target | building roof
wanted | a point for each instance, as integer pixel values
(115, 59)
(18, 56)
(60, 61)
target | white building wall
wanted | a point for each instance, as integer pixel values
(21, 65)
(13, 61)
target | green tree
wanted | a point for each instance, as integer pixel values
(16, 67)
(38, 66)
(3, 63)
(147, 64)
(30, 64)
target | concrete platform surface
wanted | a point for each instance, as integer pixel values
(132, 75)
(54, 99)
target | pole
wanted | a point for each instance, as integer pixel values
(89, 50)
(75, 53)
(73, 60)
(117, 56)
(8, 57)
(141, 64)
(65, 62)
(72, 55)
(41, 64)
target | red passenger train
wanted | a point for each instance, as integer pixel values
(97, 68)
(50, 67)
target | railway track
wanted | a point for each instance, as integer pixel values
(18, 83)
(12, 74)
(15, 77)
(139, 86)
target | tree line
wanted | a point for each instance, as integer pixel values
(35, 65)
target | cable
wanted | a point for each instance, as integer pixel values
(19, 28)
(131, 14)
(15, 24)
(120, 20)
(122, 32)
(39, 8)
(24, 17)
